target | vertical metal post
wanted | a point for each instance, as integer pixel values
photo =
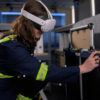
(73, 14)
(92, 7)
(81, 83)
(92, 37)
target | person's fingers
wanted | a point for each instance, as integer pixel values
(93, 54)
(96, 65)
(96, 57)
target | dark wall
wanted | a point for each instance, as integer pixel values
(97, 41)
(97, 6)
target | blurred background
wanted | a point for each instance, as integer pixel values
(66, 12)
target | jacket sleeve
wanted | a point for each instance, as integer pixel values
(16, 60)
(19, 62)
(63, 74)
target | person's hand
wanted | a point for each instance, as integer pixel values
(90, 63)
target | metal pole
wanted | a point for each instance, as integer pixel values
(73, 14)
(81, 83)
(92, 7)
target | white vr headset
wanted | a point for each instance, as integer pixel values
(46, 25)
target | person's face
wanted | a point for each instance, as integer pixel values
(37, 33)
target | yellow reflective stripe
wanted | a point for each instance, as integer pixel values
(7, 38)
(21, 97)
(5, 76)
(42, 72)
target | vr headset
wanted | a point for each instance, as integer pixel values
(45, 25)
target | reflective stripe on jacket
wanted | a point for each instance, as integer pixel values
(42, 72)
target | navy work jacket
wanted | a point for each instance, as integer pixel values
(16, 60)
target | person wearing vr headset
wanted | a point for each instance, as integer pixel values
(21, 72)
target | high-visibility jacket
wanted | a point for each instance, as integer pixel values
(26, 73)
(40, 76)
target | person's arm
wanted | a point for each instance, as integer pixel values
(71, 73)
(16, 60)
(20, 62)
(63, 74)
(90, 63)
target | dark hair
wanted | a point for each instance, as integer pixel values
(23, 27)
